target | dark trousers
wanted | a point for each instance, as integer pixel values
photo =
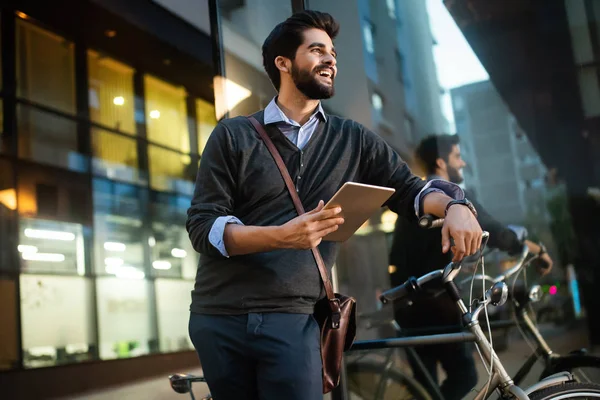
(455, 358)
(264, 356)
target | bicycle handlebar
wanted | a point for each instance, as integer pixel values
(412, 285)
(429, 222)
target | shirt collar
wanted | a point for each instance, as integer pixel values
(273, 114)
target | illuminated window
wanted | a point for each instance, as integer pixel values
(206, 120)
(124, 322)
(368, 37)
(118, 235)
(45, 67)
(171, 317)
(111, 94)
(56, 323)
(391, 7)
(172, 252)
(51, 247)
(166, 116)
(115, 156)
(171, 171)
(377, 101)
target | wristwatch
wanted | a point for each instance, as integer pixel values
(464, 202)
(542, 249)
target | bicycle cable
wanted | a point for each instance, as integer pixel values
(490, 370)
(514, 282)
(487, 319)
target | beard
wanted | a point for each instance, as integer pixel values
(308, 83)
(454, 175)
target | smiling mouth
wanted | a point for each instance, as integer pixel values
(325, 73)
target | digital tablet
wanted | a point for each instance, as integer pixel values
(358, 202)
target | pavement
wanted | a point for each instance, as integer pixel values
(561, 340)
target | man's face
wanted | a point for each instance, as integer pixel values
(314, 68)
(455, 165)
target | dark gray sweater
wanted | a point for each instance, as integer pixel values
(239, 177)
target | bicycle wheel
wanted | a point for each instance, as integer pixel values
(584, 367)
(570, 390)
(364, 377)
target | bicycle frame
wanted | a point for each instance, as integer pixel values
(543, 350)
(524, 320)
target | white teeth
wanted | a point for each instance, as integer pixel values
(325, 73)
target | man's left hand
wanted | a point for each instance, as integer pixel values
(460, 224)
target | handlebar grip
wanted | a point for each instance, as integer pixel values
(428, 221)
(399, 292)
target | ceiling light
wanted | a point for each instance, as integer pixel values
(52, 235)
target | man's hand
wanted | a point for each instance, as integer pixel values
(306, 231)
(462, 226)
(544, 262)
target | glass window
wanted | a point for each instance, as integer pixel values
(172, 298)
(206, 120)
(9, 353)
(5, 146)
(57, 320)
(124, 321)
(245, 25)
(116, 157)
(8, 207)
(171, 249)
(368, 37)
(51, 247)
(166, 114)
(118, 233)
(111, 94)
(171, 171)
(377, 101)
(590, 91)
(1, 74)
(45, 67)
(49, 139)
(391, 7)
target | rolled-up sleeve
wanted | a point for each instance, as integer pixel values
(217, 231)
(440, 186)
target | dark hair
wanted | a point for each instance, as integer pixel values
(433, 147)
(286, 37)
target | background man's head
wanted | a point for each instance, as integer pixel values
(299, 52)
(440, 155)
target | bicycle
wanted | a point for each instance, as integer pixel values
(559, 385)
(522, 298)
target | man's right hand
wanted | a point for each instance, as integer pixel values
(306, 231)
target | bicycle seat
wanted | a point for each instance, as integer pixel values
(182, 383)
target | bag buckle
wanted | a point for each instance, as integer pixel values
(335, 313)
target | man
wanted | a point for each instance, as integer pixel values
(257, 283)
(415, 252)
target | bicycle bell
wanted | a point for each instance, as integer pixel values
(498, 294)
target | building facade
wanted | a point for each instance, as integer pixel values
(492, 141)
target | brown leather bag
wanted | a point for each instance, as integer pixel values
(335, 313)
